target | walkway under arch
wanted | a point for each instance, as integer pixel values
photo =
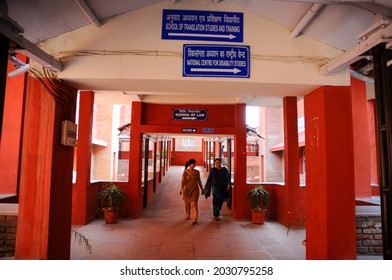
(163, 233)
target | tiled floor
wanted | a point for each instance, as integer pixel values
(163, 233)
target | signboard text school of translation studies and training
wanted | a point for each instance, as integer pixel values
(226, 61)
(202, 25)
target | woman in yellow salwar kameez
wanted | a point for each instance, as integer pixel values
(190, 184)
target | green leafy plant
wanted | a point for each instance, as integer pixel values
(111, 197)
(298, 221)
(258, 198)
(82, 240)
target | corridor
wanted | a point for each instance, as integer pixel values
(162, 233)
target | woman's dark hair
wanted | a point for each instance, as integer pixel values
(218, 159)
(189, 162)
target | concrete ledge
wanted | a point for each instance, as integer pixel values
(9, 209)
(266, 183)
(375, 200)
(368, 210)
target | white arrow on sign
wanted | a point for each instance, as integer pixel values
(228, 36)
(234, 70)
(189, 118)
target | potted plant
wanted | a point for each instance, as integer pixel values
(258, 200)
(111, 198)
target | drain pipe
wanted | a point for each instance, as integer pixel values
(87, 12)
(312, 12)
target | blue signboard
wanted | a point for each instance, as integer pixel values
(208, 130)
(190, 115)
(202, 25)
(216, 61)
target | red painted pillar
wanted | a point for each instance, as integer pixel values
(208, 155)
(169, 153)
(330, 191)
(80, 197)
(374, 171)
(361, 139)
(163, 146)
(240, 208)
(135, 191)
(168, 144)
(159, 146)
(203, 150)
(11, 132)
(291, 161)
(45, 201)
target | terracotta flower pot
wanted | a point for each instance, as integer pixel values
(110, 216)
(258, 216)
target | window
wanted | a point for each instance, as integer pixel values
(188, 142)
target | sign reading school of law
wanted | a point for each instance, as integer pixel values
(190, 114)
(216, 61)
(202, 25)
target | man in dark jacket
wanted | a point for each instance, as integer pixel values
(219, 179)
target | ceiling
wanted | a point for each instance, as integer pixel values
(334, 22)
(337, 23)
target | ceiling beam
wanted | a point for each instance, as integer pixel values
(10, 29)
(380, 32)
(29, 49)
(375, 6)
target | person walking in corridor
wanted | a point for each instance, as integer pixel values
(190, 185)
(219, 180)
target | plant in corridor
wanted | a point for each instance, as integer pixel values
(82, 240)
(258, 200)
(111, 198)
(299, 219)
